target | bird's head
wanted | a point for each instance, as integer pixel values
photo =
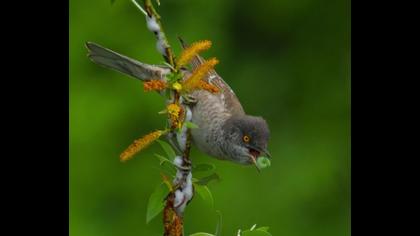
(246, 138)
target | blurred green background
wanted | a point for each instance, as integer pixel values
(287, 60)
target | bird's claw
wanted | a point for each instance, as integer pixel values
(189, 99)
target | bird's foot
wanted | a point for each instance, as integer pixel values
(189, 99)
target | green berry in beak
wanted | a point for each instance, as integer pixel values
(263, 162)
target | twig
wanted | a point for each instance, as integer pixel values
(154, 25)
(183, 191)
(178, 199)
(139, 7)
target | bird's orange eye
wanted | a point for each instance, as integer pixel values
(246, 138)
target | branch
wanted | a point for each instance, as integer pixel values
(155, 26)
(183, 191)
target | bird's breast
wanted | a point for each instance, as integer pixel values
(209, 113)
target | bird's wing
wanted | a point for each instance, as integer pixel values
(110, 59)
(231, 101)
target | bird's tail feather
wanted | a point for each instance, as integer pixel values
(113, 60)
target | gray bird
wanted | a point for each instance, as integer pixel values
(224, 130)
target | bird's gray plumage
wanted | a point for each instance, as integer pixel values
(113, 60)
(222, 122)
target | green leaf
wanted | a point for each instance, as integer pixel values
(166, 165)
(179, 130)
(167, 148)
(172, 77)
(219, 224)
(203, 167)
(264, 228)
(202, 234)
(205, 194)
(190, 125)
(169, 169)
(156, 201)
(255, 232)
(112, 2)
(207, 179)
(162, 159)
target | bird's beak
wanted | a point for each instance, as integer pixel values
(261, 150)
(254, 158)
(266, 152)
(254, 161)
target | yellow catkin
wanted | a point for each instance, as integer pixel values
(209, 87)
(174, 109)
(193, 82)
(140, 144)
(175, 114)
(188, 54)
(154, 85)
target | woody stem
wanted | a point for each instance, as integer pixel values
(182, 193)
(154, 18)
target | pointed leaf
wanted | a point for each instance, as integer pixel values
(162, 159)
(264, 228)
(156, 201)
(169, 169)
(202, 234)
(205, 194)
(205, 180)
(219, 224)
(167, 148)
(166, 165)
(203, 167)
(190, 125)
(255, 232)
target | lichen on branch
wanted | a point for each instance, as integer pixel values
(175, 86)
(154, 25)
